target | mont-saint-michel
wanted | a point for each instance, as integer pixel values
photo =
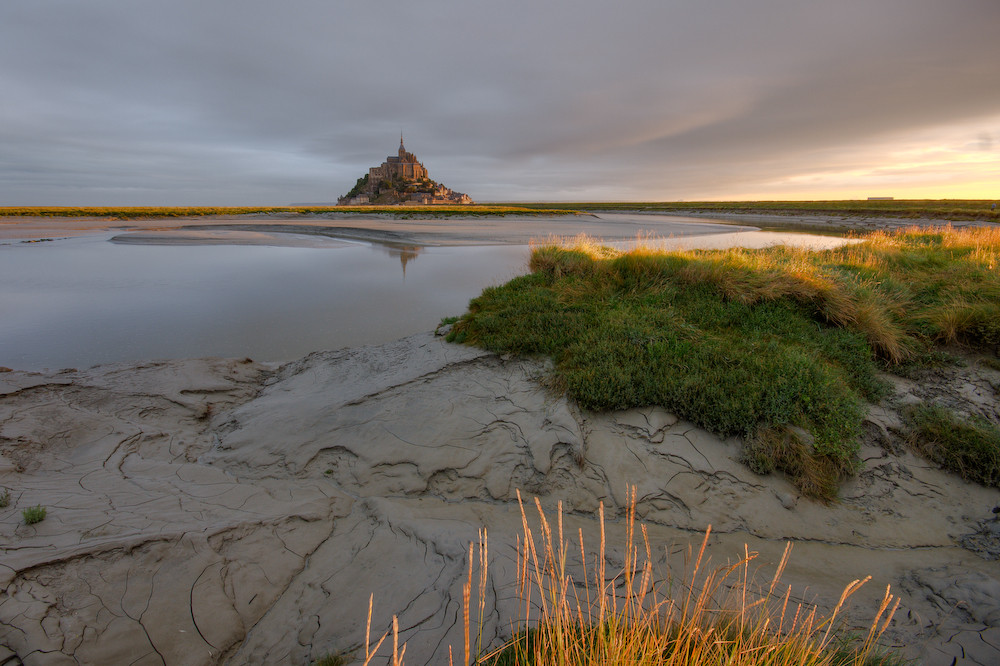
(400, 179)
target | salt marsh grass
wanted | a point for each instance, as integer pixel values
(779, 345)
(969, 447)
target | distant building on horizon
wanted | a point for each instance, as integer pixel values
(402, 165)
(400, 179)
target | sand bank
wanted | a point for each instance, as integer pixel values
(486, 230)
(224, 511)
(379, 229)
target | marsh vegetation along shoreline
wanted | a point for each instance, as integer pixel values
(779, 346)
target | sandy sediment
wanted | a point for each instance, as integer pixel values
(326, 229)
(511, 229)
(514, 230)
(222, 511)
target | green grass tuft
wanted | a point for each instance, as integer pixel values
(33, 514)
(5, 499)
(968, 447)
(992, 363)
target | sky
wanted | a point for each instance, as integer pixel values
(255, 102)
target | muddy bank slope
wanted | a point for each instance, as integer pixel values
(221, 511)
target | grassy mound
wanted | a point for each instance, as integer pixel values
(779, 346)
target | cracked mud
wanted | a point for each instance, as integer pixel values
(219, 511)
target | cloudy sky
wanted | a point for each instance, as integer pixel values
(230, 102)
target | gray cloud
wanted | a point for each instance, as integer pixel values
(229, 102)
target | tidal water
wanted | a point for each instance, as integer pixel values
(78, 302)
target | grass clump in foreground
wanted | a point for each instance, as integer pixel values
(717, 615)
(780, 346)
(969, 447)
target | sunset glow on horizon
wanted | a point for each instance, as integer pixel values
(569, 100)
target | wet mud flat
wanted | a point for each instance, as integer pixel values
(226, 511)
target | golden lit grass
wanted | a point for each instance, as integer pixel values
(747, 277)
(941, 281)
(716, 615)
(941, 284)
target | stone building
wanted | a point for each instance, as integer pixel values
(401, 179)
(402, 165)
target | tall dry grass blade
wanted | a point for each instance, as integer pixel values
(601, 569)
(368, 627)
(697, 565)
(784, 607)
(395, 641)
(583, 567)
(466, 597)
(875, 630)
(529, 540)
(851, 588)
(483, 571)
(781, 567)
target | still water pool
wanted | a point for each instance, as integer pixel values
(76, 302)
(81, 301)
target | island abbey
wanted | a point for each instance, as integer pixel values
(400, 179)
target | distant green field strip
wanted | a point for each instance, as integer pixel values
(941, 209)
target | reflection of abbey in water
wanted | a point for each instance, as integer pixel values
(405, 254)
(400, 179)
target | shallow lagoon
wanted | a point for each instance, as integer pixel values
(80, 301)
